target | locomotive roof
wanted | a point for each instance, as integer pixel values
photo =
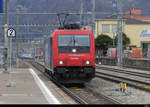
(64, 31)
(73, 31)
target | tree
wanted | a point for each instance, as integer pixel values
(126, 40)
(103, 42)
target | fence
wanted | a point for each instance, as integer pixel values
(27, 51)
(140, 63)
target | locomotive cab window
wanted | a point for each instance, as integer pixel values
(81, 43)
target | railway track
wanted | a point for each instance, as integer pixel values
(144, 85)
(84, 96)
(70, 93)
(125, 71)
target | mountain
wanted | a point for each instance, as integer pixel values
(106, 7)
(103, 6)
(73, 5)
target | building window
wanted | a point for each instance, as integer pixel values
(114, 28)
(105, 28)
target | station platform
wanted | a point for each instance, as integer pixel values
(31, 87)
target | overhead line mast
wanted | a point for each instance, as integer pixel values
(5, 30)
(119, 32)
(133, 4)
(81, 12)
(93, 17)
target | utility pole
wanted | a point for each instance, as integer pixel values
(6, 11)
(119, 32)
(133, 4)
(17, 36)
(5, 33)
(81, 12)
(93, 17)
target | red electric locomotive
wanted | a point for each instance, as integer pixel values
(70, 55)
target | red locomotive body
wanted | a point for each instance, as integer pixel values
(70, 55)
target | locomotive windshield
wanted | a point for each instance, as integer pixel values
(74, 40)
(79, 42)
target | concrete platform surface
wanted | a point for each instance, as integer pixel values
(31, 88)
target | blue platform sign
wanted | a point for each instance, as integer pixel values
(1, 6)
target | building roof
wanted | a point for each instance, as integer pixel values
(136, 13)
(133, 21)
(127, 20)
(138, 17)
(133, 16)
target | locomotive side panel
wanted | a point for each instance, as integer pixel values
(92, 49)
(55, 50)
(48, 53)
(51, 54)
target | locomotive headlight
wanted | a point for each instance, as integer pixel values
(61, 62)
(74, 50)
(87, 62)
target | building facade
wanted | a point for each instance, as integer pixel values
(138, 31)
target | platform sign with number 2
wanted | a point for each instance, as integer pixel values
(11, 32)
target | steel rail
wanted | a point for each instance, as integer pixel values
(78, 99)
(105, 97)
(125, 71)
(131, 82)
(123, 78)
